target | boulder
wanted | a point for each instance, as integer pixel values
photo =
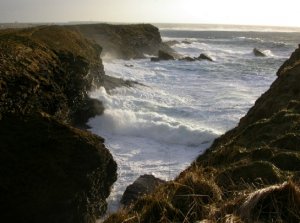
(258, 53)
(171, 42)
(190, 59)
(145, 184)
(154, 59)
(204, 57)
(186, 42)
(52, 172)
(162, 55)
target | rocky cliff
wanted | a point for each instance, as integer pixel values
(250, 174)
(49, 170)
(125, 41)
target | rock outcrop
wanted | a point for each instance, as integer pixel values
(203, 56)
(258, 53)
(243, 176)
(50, 171)
(124, 41)
(145, 184)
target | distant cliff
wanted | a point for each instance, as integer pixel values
(250, 174)
(124, 41)
(50, 171)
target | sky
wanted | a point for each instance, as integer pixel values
(250, 12)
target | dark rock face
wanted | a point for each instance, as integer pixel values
(162, 55)
(155, 59)
(190, 59)
(204, 57)
(171, 42)
(186, 42)
(124, 41)
(145, 184)
(50, 171)
(258, 53)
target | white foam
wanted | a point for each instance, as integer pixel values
(120, 119)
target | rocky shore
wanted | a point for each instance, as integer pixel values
(250, 174)
(53, 170)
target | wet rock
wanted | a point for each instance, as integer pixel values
(186, 42)
(204, 57)
(128, 65)
(154, 59)
(162, 55)
(172, 42)
(145, 184)
(190, 59)
(258, 53)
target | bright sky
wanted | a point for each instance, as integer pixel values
(252, 12)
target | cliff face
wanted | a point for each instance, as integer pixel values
(241, 177)
(50, 171)
(124, 41)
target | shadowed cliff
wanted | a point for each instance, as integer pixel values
(250, 174)
(51, 171)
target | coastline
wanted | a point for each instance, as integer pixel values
(44, 87)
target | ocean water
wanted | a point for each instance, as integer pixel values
(162, 125)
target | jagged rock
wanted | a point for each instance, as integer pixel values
(186, 42)
(145, 184)
(204, 57)
(190, 59)
(162, 55)
(154, 59)
(171, 42)
(258, 53)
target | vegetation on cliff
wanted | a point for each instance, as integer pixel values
(51, 171)
(250, 174)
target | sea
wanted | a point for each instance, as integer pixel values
(162, 124)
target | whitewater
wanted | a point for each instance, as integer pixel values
(162, 124)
